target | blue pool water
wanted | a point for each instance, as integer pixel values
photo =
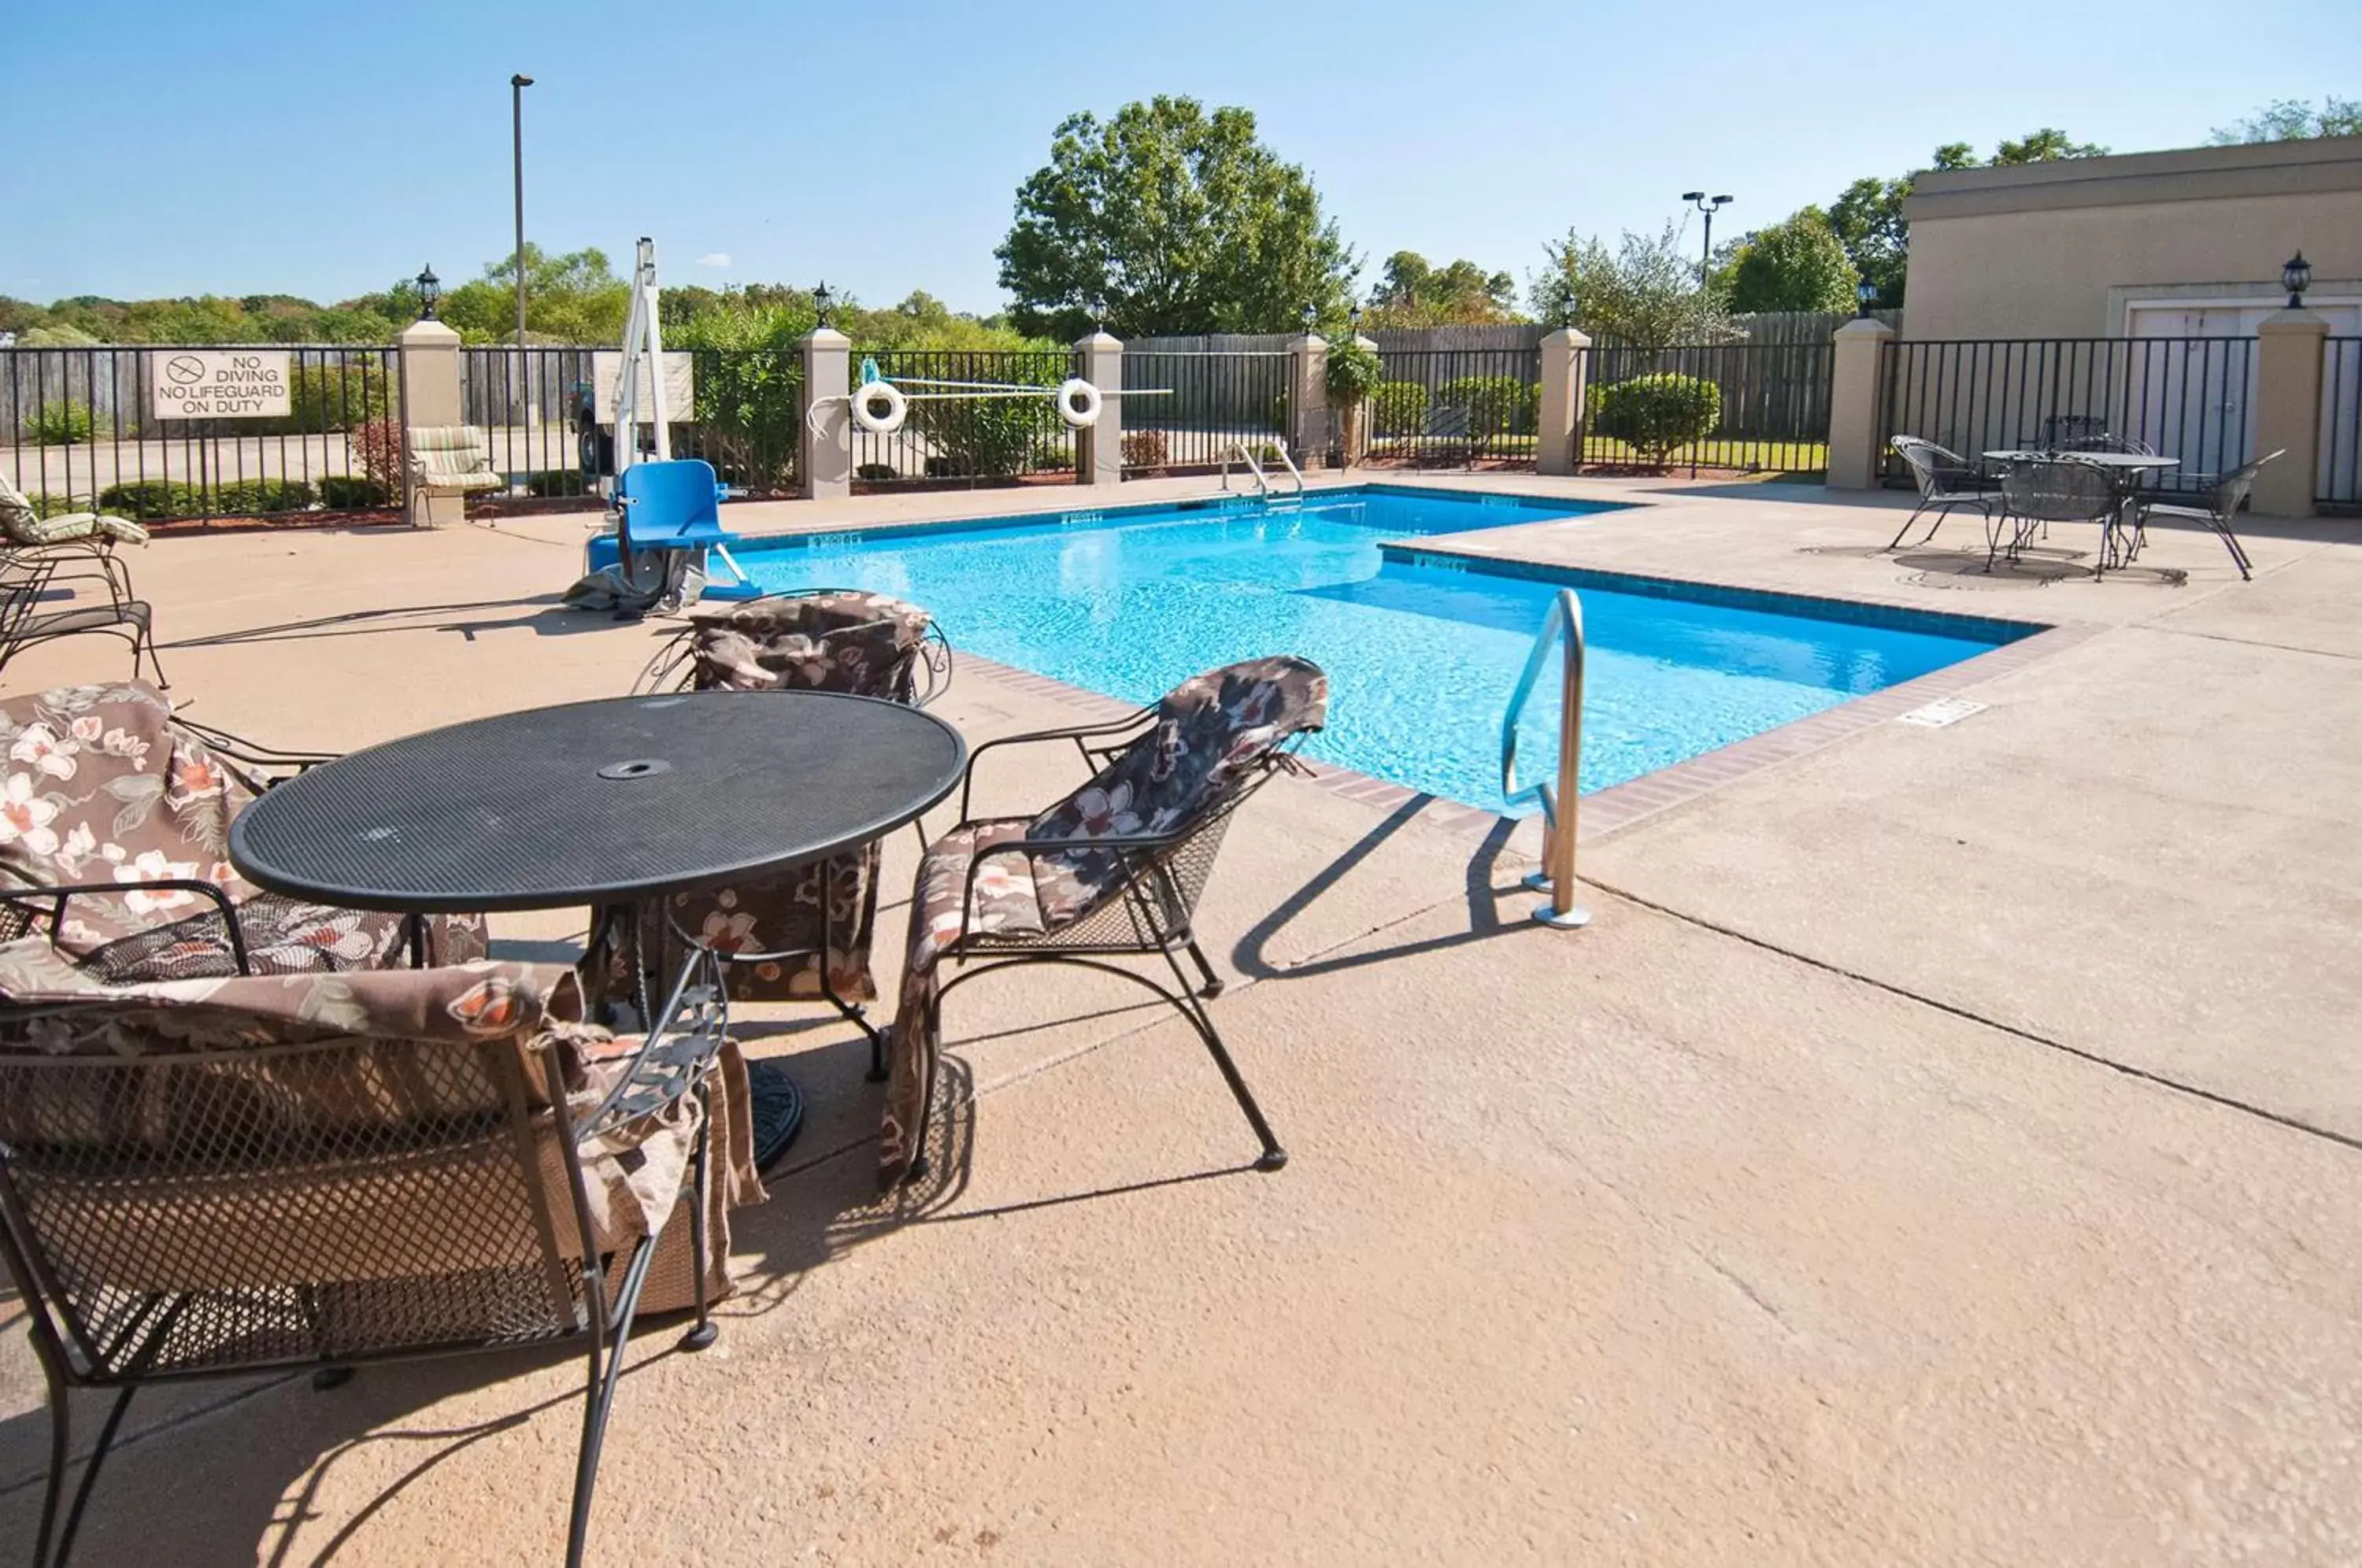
(1421, 657)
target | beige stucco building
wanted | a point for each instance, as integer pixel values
(2146, 245)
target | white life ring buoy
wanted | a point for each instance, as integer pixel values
(879, 407)
(1078, 403)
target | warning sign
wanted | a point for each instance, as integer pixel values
(215, 383)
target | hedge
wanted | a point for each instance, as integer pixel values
(1657, 413)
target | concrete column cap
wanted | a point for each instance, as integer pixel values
(429, 335)
(1310, 341)
(2294, 320)
(1366, 342)
(1568, 337)
(826, 337)
(1866, 326)
(1099, 342)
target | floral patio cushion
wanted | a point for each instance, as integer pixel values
(855, 643)
(1210, 732)
(97, 784)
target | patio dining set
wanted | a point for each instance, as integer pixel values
(267, 1104)
(2073, 472)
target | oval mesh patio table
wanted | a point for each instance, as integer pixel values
(603, 802)
(598, 802)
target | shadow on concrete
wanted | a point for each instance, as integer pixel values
(550, 621)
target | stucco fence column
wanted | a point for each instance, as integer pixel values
(2290, 345)
(1857, 405)
(1099, 448)
(430, 397)
(1307, 382)
(826, 431)
(1565, 366)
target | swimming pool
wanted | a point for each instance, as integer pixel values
(1421, 654)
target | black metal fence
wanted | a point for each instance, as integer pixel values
(80, 429)
(958, 429)
(1454, 405)
(1183, 410)
(530, 403)
(1752, 406)
(2187, 398)
(2340, 479)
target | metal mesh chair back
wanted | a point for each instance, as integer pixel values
(2231, 491)
(2066, 491)
(1937, 470)
(2131, 445)
(2059, 429)
(201, 1212)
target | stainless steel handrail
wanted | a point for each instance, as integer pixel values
(1559, 797)
(1239, 450)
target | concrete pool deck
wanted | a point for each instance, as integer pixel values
(1943, 1146)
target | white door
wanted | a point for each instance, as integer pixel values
(2195, 400)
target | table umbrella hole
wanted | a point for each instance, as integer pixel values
(638, 767)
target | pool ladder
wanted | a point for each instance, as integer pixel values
(1263, 484)
(1557, 797)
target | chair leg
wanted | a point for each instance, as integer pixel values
(1272, 1157)
(60, 1451)
(148, 639)
(918, 1166)
(1213, 987)
(1896, 542)
(701, 1179)
(599, 1399)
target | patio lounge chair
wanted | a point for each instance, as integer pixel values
(803, 936)
(28, 577)
(1112, 870)
(114, 826)
(1947, 481)
(2220, 508)
(290, 1172)
(23, 530)
(451, 460)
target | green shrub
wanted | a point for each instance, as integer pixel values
(1266, 453)
(748, 412)
(377, 448)
(352, 493)
(256, 498)
(1398, 408)
(143, 501)
(332, 397)
(44, 504)
(877, 473)
(1657, 413)
(555, 481)
(993, 436)
(1496, 405)
(64, 423)
(1353, 373)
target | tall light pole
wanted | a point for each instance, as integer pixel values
(517, 84)
(1699, 200)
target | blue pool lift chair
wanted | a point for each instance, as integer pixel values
(676, 505)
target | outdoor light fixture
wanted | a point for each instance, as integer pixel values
(430, 289)
(2296, 277)
(1312, 314)
(1867, 293)
(1353, 320)
(517, 84)
(820, 305)
(1709, 206)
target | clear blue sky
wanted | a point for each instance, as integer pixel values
(325, 149)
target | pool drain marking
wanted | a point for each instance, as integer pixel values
(1943, 712)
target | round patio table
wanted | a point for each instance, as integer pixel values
(602, 802)
(2129, 461)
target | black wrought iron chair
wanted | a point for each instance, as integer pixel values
(2220, 508)
(28, 575)
(320, 1172)
(121, 812)
(1947, 481)
(803, 936)
(2048, 490)
(1113, 870)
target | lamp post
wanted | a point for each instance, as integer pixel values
(517, 84)
(1312, 314)
(430, 289)
(2296, 276)
(820, 305)
(1709, 207)
(1866, 294)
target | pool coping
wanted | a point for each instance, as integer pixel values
(1620, 806)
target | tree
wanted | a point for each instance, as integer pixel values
(1411, 292)
(2293, 120)
(1867, 217)
(1646, 294)
(1797, 263)
(574, 298)
(1165, 219)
